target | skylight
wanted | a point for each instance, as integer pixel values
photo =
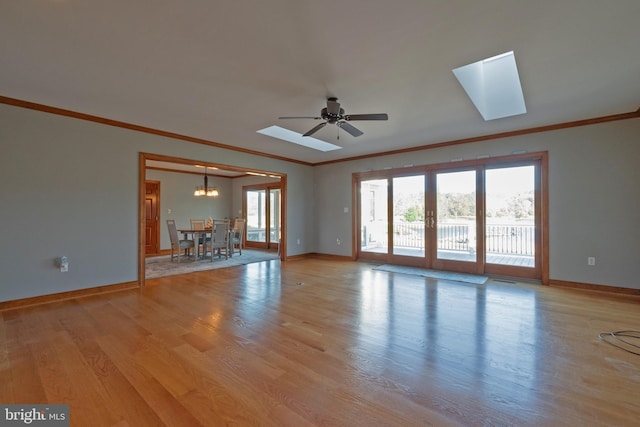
(296, 138)
(494, 86)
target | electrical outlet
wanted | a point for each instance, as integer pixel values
(338, 241)
(591, 260)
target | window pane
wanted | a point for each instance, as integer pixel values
(456, 215)
(274, 215)
(256, 215)
(408, 216)
(373, 199)
(510, 216)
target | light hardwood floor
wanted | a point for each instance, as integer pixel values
(320, 342)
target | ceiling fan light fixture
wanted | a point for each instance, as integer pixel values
(333, 114)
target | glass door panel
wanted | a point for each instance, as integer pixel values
(262, 204)
(256, 215)
(483, 217)
(510, 216)
(373, 216)
(409, 216)
(274, 216)
(456, 216)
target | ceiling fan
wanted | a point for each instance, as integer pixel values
(333, 114)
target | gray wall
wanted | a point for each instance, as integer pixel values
(594, 197)
(70, 187)
(178, 203)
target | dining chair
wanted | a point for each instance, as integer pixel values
(178, 244)
(199, 224)
(219, 239)
(237, 235)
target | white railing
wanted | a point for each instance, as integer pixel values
(510, 239)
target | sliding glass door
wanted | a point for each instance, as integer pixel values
(374, 217)
(256, 202)
(512, 219)
(481, 217)
(455, 220)
(392, 219)
(409, 216)
(274, 217)
(262, 207)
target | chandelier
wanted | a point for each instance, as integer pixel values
(205, 190)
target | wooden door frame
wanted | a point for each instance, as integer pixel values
(476, 267)
(142, 173)
(541, 195)
(267, 187)
(404, 259)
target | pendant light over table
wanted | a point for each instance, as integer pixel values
(205, 190)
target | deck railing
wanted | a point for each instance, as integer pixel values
(511, 239)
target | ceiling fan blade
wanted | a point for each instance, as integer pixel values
(301, 117)
(315, 129)
(382, 116)
(333, 106)
(352, 130)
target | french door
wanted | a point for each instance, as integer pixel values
(455, 220)
(262, 207)
(480, 217)
(425, 219)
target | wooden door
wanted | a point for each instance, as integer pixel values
(152, 218)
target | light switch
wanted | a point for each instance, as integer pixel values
(63, 264)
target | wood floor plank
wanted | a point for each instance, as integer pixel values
(54, 378)
(325, 342)
(165, 405)
(230, 399)
(21, 384)
(88, 395)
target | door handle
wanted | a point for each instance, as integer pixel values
(430, 221)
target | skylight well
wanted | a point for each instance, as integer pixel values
(296, 138)
(493, 85)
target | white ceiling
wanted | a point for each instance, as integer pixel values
(221, 70)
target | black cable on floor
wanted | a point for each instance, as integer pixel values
(612, 338)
